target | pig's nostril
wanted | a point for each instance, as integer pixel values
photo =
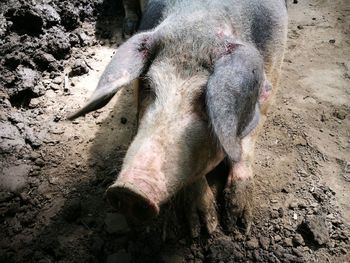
(132, 203)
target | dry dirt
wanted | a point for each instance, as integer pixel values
(53, 173)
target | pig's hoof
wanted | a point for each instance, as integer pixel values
(200, 208)
(199, 215)
(129, 27)
(238, 200)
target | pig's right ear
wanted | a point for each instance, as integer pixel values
(232, 97)
(129, 62)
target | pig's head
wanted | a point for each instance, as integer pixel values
(174, 145)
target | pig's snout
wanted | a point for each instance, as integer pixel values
(131, 202)
(137, 195)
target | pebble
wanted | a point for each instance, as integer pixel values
(298, 240)
(288, 242)
(293, 205)
(57, 80)
(54, 86)
(274, 214)
(277, 238)
(280, 212)
(292, 258)
(39, 162)
(34, 155)
(79, 68)
(341, 115)
(264, 242)
(253, 243)
(297, 252)
(14, 178)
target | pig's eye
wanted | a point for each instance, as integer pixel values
(146, 91)
(200, 105)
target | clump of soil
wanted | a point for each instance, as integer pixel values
(53, 173)
(39, 37)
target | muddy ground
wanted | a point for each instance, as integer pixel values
(53, 173)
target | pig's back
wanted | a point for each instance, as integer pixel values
(261, 23)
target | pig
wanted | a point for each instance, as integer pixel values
(207, 72)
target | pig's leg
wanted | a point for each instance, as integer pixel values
(200, 207)
(238, 194)
(239, 190)
(132, 17)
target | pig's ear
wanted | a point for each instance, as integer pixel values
(232, 97)
(129, 62)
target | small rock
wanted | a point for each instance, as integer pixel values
(341, 115)
(83, 38)
(27, 78)
(288, 242)
(277, 238)
(57, 42)
(313, 205)
(298, 240)
(295, 1)
(31, 137)
(57, 80)
(116, 223)
(34, 103)
(298, 252)
(293, 205)
(280, 212)
(14, 178)
(48, 14)
(274, 214)
(70, 16)
(46, 61)
(253, 243)
(34, 155)
(264, 242)
(39, 162)
(54, 86)
(279, 251)
(292, 258)
(332, 41)
(295, 216)
(79, 68)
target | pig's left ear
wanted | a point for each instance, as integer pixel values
(129, 62)
(232, 97)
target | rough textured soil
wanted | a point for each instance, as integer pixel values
(53, 173)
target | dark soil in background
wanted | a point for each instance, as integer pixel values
(53, 174)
